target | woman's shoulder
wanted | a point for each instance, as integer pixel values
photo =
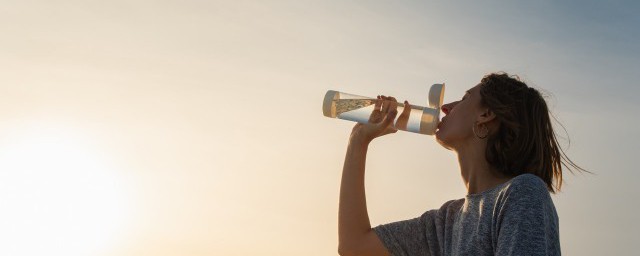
(525, 188)
(526, 183)
(526, 197)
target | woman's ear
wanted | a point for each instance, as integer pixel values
(486, 116)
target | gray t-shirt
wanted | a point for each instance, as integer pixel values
(515, 218)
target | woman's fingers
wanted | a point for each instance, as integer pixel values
(407, 108)
(386, 105)
(381, 119)
(376, 114)
(378, 103)
(390, 110)
(403, 119)
(388, 119)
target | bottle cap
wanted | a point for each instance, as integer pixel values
(328, 108)
(431, 114)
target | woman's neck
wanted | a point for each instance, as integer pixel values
(477, 174)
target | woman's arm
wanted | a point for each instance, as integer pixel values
(354, 229)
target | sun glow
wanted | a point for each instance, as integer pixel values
(58, 195)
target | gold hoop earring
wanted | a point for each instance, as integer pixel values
(485, 129)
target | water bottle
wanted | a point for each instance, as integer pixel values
(423, 120)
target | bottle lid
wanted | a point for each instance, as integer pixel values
(431, 114)
(328, 106)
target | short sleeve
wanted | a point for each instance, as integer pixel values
(528, 221)
(419, 236)
(408, 237)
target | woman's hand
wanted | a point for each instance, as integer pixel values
(381, 120)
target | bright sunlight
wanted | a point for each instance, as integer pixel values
(57, 194)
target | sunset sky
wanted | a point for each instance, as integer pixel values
(174, 128)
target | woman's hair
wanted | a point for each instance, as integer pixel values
(525, 141)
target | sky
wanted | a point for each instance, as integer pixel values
(195, 127)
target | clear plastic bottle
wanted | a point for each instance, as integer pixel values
(423, 120)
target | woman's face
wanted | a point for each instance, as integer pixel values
(455, 128)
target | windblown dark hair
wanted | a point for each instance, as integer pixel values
(525, 141)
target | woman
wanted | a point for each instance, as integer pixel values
(509, 160)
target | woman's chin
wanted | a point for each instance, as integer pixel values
(441, 139)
